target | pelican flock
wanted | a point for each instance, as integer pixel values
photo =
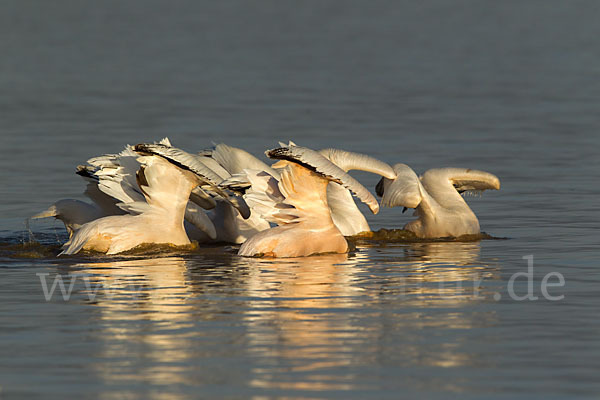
(301, 205)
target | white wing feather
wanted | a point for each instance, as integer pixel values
(318, 163)
(209, 179)
(262, 194)
(404, 190)
(197, 217)
(235, 160)
(348, 160)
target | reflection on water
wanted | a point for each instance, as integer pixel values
(299, 325)
(453, 253)
(446, 270)
(431, 272)
(297, 321)
(143, 306)
(307, 318)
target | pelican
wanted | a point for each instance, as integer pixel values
(436, 196)
(110, 181)
(297, 202)
(344, 212)
(113, 188)
(166, 179)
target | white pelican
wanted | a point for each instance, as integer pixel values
(441, 209)
(344, 212)
(110, 181)
(297, 202)
(113, 188)
(166, 179)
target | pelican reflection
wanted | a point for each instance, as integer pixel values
(434, 273)
(298, 319)
(299, 324)
(143, 310)
(309, 316)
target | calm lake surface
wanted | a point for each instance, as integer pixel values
(512, 88)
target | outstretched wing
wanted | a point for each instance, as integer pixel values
(166, 187)
(193, 163)
(261, 193)
(116, 175)
(316, 162)
(111, 179)
(404, 190)
(196, 216)
(348, 160)
(465, 179)
(299, 195)
(182, 159)
(106, 203)
(235, 160)
(305, 194)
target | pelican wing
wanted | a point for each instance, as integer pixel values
(166, 189)
(235, 160)
(196, 216)
(404, 190)
(164, 186)
(116, 175)
(202, 199)
(192, 163)
(261, 193)
(214, 165)
(463, 179)
(107, 203)
(316, 162)
(466, 180)
(239, 182)
(348, 160)
(182, 159)
(305, 193)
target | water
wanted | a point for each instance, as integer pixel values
(508, 87)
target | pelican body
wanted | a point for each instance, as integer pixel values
(167, 189)
(436, 197)
(311, 229)
(298, 203)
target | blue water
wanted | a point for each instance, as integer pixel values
(512, 88)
